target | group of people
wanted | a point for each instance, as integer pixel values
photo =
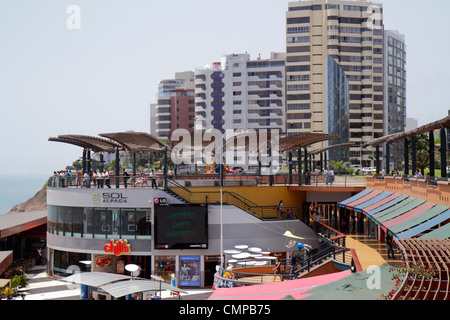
(100, 179)
(329, 176)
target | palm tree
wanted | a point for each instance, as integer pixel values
(339, 166)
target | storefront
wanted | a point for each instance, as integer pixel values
(103, 231)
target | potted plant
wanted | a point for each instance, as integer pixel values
(8, 293)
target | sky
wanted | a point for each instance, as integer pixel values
(102, 77)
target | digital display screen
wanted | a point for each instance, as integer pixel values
(181, 227)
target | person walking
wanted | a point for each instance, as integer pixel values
(390, 246)
(317, 220)
(293, 262)
(280, 208)
(277, 270)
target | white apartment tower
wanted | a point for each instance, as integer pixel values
(239, 93)
(326, 38)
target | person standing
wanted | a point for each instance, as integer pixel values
(331, 176)
(325, 174)
(107, 179)
(152, 176)
(101, 179)
(125, 178)
(86, 180)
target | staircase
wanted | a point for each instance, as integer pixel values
(216, 197)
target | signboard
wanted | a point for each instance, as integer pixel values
(118, 248)
(161, 202)
(181, 227)
(189, 271)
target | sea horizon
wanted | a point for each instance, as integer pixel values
(18, 188)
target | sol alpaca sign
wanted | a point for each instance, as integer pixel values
(118, 248)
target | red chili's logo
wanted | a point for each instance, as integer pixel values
(119, 248)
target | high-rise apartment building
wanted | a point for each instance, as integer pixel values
(175, 106)
(395, 92)
(240, 93)
(324, 39)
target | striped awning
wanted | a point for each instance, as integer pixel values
(388, 201)
(402, 215)
(398, 209)
(386, 205)
(364, 199)
(376, 199)
(430, 219)
(441, 233)
(409, 215)
(355, 197)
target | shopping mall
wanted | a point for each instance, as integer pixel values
(185, 227)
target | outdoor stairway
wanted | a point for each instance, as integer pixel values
(216, 197)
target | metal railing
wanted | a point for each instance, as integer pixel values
(230, 198)
(305, 262)
(142, 180)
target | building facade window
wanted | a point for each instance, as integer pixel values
(100, 223)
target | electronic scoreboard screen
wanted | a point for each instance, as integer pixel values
(181, 227)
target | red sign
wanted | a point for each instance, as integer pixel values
(118, 248)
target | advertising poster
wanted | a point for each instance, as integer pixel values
(189, 271)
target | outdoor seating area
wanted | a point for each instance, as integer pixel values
(18, 267)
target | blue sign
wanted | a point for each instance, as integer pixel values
(189, 271)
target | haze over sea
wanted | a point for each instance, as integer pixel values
(15, 189)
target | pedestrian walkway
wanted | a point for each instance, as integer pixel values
(41, 287)
(371, 252)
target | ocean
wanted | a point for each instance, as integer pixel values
(15, 189)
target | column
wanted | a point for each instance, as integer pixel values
(414, 154)
(443, 152)
(406, 157)
(431, 153)
(299, 161)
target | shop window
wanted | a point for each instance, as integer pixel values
(165, 266)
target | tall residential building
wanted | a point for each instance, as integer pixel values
(395, 92)
(175, 106)
(240, 93)
(351, 34)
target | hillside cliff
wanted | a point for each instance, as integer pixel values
(37, 203)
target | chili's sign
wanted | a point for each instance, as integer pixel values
(117, 248)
